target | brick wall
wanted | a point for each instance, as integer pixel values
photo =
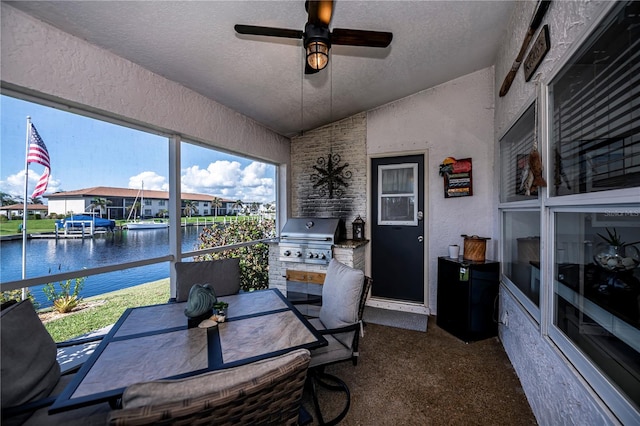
(347, 138)
(350, 257)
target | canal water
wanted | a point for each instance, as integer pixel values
(51, 256)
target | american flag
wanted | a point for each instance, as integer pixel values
(38, 154)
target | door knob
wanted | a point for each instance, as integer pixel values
(420, 239)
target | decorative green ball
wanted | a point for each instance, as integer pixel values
(201, 300)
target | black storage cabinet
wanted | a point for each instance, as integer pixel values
(468, 298)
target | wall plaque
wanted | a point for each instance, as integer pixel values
(537, 53)
(458, 180)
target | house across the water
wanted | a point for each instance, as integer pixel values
(119, 202)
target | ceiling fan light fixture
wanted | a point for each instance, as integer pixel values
(317, 54)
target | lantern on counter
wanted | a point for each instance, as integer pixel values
(358, 228)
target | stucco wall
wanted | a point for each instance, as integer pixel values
(568, 21)
(556, 392)
(454, 119)
(556, 395)
(41, 60)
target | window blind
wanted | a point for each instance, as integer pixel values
(596, 114)
(515, 147)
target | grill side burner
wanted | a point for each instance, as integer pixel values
(308, 240)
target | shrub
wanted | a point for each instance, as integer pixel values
(66, 299)
(254, 260)
(16, 294)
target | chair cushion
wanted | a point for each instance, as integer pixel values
(264, 392)
(335, 351)
(216, 382)
(92, 415)
(222, 274)
(341, 295)
(29, 370)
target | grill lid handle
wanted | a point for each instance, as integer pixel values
(284, 237)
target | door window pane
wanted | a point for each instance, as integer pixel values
(397, 181)
(596, 111)
(597, 291)
(398, 190)
(521, 257)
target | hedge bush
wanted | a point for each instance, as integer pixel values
(254, 260)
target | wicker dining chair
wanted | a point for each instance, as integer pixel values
(266, 392)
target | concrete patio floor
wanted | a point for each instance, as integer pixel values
(407, 377)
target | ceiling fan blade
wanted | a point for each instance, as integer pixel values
(268, 31)
(361, 37)
(320, 11)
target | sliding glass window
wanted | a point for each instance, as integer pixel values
(596, 111)
(594, 207)
(520, 211)
(596, 289)
(521, 251)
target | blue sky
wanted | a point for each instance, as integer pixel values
(86, 152)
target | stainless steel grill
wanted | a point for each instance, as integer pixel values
(309, 240)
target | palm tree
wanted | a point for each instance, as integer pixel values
(35, 200)
(238, 205)
(254, 207)
(190, 208)
(217, 203)
(163, 212)
(8, 199)
(100, 203)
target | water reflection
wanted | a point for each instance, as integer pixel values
(50, 256)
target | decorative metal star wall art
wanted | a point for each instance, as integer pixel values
(331, 177)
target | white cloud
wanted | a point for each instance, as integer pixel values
(14, 184)
(151, 180)
(227, 179)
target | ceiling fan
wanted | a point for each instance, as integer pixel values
(317, 38)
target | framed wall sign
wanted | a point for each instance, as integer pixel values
(458, 182)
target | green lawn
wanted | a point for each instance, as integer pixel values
(10, 227)
(108, 308)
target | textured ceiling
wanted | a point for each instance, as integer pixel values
(194, 44)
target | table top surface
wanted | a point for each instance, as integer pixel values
(154, 342)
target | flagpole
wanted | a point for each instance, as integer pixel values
(24, 212)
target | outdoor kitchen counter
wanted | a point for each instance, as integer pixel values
(351, 244)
